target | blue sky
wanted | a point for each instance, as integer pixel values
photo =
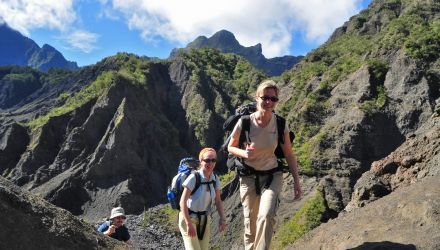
(86, 31)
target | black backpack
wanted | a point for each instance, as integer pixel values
(243, 113)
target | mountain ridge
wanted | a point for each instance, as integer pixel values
(226, 42)
(17, 49)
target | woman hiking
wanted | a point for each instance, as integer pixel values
(261, 180)
(201, 190)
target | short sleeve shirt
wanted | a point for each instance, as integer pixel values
(202, 199)
(265, 142)
(121, 233)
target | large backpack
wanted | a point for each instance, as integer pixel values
(187, 166)
(233, 162)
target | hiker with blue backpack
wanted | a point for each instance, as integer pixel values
(260, 173)
(201, 190)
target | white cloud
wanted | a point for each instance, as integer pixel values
(24, 15)
(270, 23)
(81, 40)
(318, 18)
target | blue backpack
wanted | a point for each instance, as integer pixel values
(186, 167)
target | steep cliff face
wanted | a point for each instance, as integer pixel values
(117, 140)
(417, 158)
(106, 152)
(362, 94)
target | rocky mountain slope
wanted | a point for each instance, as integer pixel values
(109, 142)
(366, 91)
(406, 219)
(225, 42)
(17, 49)
(417, 158)
(29, 222)
(363, 106)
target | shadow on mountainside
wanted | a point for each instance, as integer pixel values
(384, 245)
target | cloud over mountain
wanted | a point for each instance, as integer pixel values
(270, 23)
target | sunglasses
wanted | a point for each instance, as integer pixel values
(267, 98)
(209, 160)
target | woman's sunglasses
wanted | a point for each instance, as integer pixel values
(209, 160)
(272, 98)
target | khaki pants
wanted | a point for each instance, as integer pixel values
(194, 243)
(259, 211)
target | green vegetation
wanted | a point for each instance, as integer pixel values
(306, 218)
(304, 149)
(374, 105)
(226, 72)
(329, 64)
(55, 76)
(378, 70)
(63, 96)
(165, 216)
(17, 70)
(85, 95)
(405, 25)
(424, 42)
(220, 83)
(128, 68)
(23, 77)
(226, 178)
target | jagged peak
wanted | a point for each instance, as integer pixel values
(225, 36)
(47, 47)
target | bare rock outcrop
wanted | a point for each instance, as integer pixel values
(102, 154)
(406, 219)
(415, 159)
(29, 222)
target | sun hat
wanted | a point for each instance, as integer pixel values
(117, 211)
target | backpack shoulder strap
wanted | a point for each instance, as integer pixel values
(214, 182)
(281, 125)
(198, 181)
(245, 128)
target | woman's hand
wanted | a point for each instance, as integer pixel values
(221, 225)
(297, 190)
(190, 230)
(249, 151)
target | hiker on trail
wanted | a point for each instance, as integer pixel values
(195, 207)
(260, 187)
(114, 227)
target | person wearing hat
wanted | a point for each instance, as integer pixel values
(114, 227)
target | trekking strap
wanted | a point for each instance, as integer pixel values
(199, 182)
(249, 171)
(245, 128)
(202, 221)
(281, 125)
